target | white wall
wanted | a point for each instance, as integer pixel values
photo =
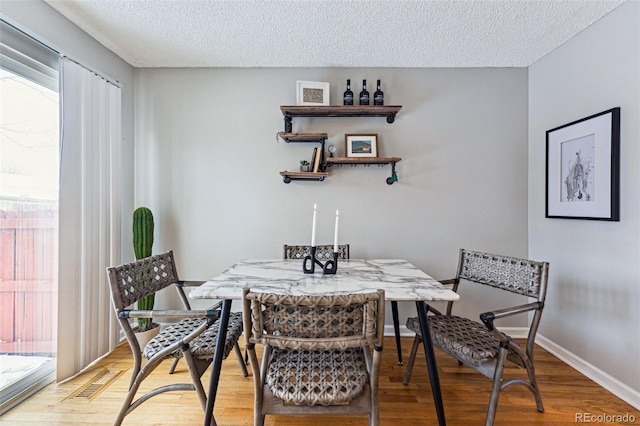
(593, 302)
(207, 163)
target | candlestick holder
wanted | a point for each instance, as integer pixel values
(309, 263)
(331, 267)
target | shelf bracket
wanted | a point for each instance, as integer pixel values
(288, 178)
(394, 176)
(391, 117)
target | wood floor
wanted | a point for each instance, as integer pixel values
(565, 394)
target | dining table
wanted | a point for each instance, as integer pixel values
(401, 281)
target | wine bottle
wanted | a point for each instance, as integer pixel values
(364, 94)
(348, 94)
(378, 96)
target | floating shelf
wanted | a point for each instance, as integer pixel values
(367, 161)
(363, 160)
(288, 136)
(303, 137)
(290, 111)
(289, 176)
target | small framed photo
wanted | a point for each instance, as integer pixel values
(583, 168)
(361, 145)
(312, 93)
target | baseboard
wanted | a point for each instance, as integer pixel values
(404, 331)
(608, 382)
(516, 332)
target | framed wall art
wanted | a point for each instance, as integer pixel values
(312, 93)
(365, 145)
(583, 168)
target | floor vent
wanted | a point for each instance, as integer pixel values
(97, 384)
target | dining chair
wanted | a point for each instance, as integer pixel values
(480, 344)
(317, 353)
(193, 337)
(325, 252)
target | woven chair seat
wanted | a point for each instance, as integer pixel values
(466, 339)
(317, 377)
(204, 345)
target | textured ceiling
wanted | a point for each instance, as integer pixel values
(333, 33)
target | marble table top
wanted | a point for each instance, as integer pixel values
(400, 279)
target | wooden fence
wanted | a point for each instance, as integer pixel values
(28, 281)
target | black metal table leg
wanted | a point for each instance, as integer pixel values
(396, 329)
(217, 361)
(430, 356)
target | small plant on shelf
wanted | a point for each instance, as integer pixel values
(304, 166)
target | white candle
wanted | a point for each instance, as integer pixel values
(313, 227)
(335, 235)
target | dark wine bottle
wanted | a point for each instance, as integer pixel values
(364, 94)
(348, 94)
(378, 96)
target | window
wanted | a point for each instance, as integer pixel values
(29, 176)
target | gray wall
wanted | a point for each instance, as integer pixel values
(207, 163)
(593, 308)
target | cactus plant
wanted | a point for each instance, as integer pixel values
(142, 246)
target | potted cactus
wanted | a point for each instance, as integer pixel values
(305, 166)
(142, 245)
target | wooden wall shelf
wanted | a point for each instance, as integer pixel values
(363, 160)
(368, 161)
(303, 137)
(341, 110)
(289, 176)
(290, 111)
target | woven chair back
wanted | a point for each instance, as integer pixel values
(323, 252)
(521, 276)
(132, 281)
(316, 322)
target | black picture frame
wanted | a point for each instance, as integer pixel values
(583, 168)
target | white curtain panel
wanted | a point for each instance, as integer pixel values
(89, 216)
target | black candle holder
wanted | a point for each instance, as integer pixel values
(329, 268)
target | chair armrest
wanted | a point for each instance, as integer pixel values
(211, 314)
(453, 282)
(449, 281)
(180, 288)
(434, 310)
(488, 317)
(183, 283)
(185, 340)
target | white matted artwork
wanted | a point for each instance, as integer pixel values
(577, 159)
(312, 93)
(583, 168)
(362, 145)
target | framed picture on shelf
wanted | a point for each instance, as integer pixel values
(312, 93)
(583, 168)
(365, 145)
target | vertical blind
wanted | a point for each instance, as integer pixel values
(89, 216)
